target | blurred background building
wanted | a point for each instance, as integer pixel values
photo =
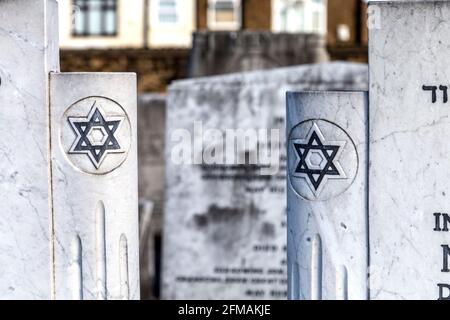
(153, 37)
(167, 40)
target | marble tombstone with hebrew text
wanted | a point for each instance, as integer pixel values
(409, 132)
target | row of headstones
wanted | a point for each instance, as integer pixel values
(367, 186)
(224, 223)
(68, 182)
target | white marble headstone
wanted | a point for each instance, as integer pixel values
(327, 202)
(29, 51)
(68, 182)
(94, 183)
(409, 150)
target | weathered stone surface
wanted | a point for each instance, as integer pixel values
(216, 53)
(409, 130)
(29, 42)
(225, 226)
(94, 185)
(152, 134)
(327, 195)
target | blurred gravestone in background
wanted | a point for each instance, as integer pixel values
(225, 225)
(151, 127)
(215, 53)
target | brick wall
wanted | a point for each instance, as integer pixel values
(155, 68)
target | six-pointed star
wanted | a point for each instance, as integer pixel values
(318, 159)
(95, 135)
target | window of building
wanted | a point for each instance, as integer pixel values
(224, 14)
(293, 16)
(95, 17)
(299, 16)
(168, 11)
(318, 11)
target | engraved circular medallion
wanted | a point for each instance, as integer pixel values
(96, 135)
(323, 160)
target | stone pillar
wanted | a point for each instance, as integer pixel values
(327, 203)
(29, 42)
(94, 184)
(409, 146)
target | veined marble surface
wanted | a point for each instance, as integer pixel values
(409, 150)
(327, 202)
(29, 42)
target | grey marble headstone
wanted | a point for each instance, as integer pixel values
(410, 150)
(225, 226)
(327, 195)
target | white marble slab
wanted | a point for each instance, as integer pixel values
(94, 183)
(327, 202)
(409, 150)
(29, 51)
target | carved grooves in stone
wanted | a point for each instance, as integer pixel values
(316, 268)
(123, 267)
(76, 269)
(100, 250)
(342, 283)
(295, 282)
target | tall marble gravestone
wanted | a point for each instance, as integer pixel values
(409, 131)
(69, 202)
(327, 203)
(95, 158)
(225, 224)
(29, 52)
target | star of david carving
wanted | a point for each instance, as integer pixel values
(318, 160)
(95, 135)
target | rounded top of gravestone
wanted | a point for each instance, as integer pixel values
(323, 160)
(96, 135)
